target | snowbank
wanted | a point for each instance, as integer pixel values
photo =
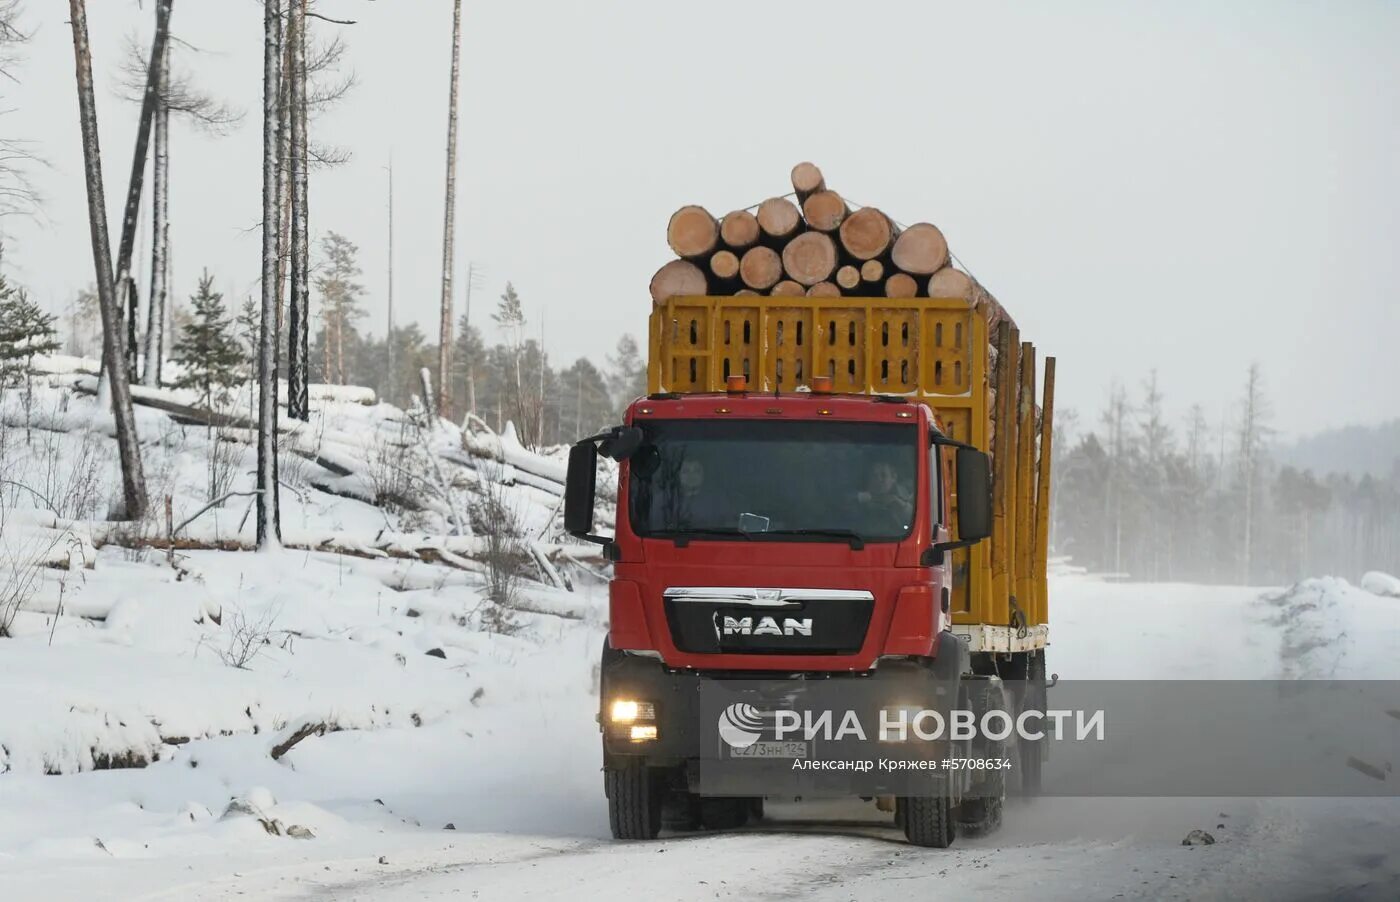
(1378, 583)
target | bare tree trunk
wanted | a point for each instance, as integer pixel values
(444, 386)
(160, 238)
(127, 245)
(298, 405)
(128, 448)
(284, 194)
(389, 328)
(269, 520)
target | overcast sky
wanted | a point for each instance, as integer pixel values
(1185, 186)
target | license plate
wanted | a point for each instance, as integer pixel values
(772, 749)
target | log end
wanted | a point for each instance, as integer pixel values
(739, 230)
(901, 285)
(810, 258)
(824, 290)
(692, 232)
(866, 233)
(679, 278)
(778, 217)
(824, 211)
(787, 288)
(725, 265)
(920, 249)
(848, 277)
(807, 179)
(951, 283)
(760, 268)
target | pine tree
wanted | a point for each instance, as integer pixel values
(25, 330)
(340, 304)
(510, 316)
(208, 349)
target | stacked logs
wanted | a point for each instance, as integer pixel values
(811, 243)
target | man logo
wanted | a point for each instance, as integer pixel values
(767, 626)
(740, 725)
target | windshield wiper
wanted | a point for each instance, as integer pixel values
(856, 540)
(682, 536)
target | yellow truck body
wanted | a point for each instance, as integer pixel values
(932, 350)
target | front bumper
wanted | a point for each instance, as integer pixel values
(675, 696)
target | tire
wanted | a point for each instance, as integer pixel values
(634, 801)
(927, 820)
(982, 815)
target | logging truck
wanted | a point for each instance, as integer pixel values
(851, 484)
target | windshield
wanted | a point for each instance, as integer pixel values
(813, 481)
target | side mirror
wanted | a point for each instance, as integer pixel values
(974, 495)
(580, 487)
(974, 489)
(621, 442)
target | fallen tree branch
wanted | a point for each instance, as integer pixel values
(212, 504)
(302, 732)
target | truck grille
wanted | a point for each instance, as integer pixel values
(729, 620)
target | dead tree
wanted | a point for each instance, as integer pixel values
(160, 234)
(128, 448)
(298, 326)
(444, 386)
(176, 97)
(126, 247)
(269, 526)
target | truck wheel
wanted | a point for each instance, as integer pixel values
(982, 815)
(634, 801)
(927, 820)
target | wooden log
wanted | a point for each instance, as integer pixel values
(760, 268)
(920, 250)
(778, 220)
(679, 278)
(872, 271)
(739, 230)
(848, 277)
(692, 232)
(825, 211)
(724, 267)
(746, 292)
(787, 288)
(824, 290)
(901, 285)
(867, 234)
(810, 258)
(951, 283)
(807, 180)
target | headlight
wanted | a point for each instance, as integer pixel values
(626, 710)
(643, 733)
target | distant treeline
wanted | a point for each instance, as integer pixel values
(1136, 495)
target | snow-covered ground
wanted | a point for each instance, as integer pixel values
(462, 763)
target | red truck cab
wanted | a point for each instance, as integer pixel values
(792, 536)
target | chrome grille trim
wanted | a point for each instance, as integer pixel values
(762, 598)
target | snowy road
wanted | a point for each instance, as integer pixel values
(1105, 849)
(529, 817)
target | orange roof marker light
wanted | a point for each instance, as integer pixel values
(821, 385)
(736, 384)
